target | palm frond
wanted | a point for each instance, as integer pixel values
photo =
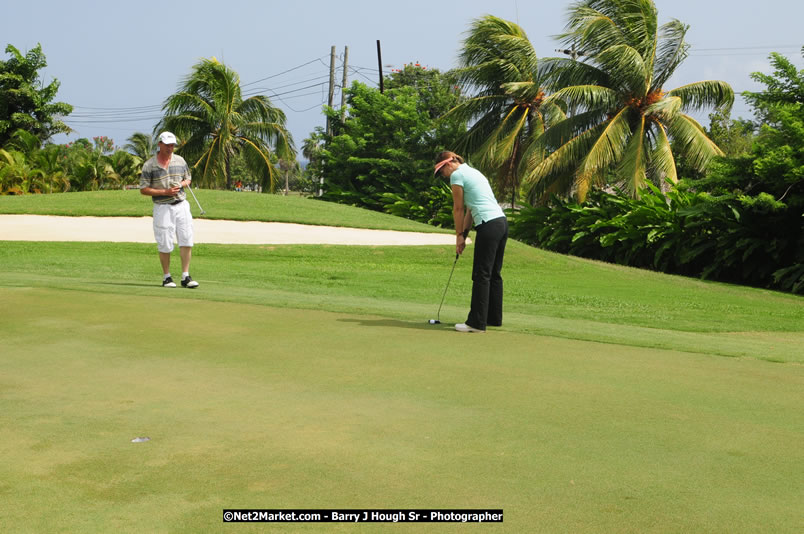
(590, 30)
(257, 156)
(522, 91)
(692, 141)
(586, 97)
(561, 132)
(481, 129)
(607, 149)
(560, 165)
(499, 146)
(494, 52)
(562, 73)
(552, 113)
(634, 162)
(699, 95)
(625, 64)
(595, 25)
(663, 163)
(666, 108)
(672, 51)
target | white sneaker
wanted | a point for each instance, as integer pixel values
(189, 282)
(463, 327)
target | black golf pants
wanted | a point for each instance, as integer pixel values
(487, 284)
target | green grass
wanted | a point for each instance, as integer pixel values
(257, 406)
(217, 204)
(545, 293)
(613, 399)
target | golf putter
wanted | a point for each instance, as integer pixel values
(437, 320)
(196, 200)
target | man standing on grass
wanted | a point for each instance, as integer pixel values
(164, 178)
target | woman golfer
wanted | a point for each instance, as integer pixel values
(473, 201)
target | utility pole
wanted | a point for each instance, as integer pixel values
(379, 66)
(343, 85)
(331, 86)
(329, 103)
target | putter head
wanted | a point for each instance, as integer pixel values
(434, 321)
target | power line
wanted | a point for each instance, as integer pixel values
(357, 70)
(94, 114)
(745, 48)
(142, 108)
(104, 121)
(734, 54)
(283, 72)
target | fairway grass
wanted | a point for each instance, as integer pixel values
(545, 293)
(303, 376)
(252, 406)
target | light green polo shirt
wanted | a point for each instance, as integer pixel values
(477, 194)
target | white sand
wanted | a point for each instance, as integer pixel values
(140, 230)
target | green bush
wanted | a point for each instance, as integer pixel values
(753, 240)
(380, 153)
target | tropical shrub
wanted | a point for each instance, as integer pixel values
(380, 155)
(732, 238)
(26, 167)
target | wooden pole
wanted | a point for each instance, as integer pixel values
(331, 86)
(379, 66)
(343, 85)
(329, 103)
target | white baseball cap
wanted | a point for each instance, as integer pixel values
(167, 138)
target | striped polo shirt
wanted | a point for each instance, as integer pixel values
(155, 176)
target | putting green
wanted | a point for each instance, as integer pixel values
(249, 406)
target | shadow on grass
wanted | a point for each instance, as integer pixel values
(418, 325)
(131, 284)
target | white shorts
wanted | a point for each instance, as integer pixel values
(170, 221)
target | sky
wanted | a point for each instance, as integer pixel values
(118, 61)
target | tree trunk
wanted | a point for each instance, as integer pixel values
(228, 172)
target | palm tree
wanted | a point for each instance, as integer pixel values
(49, 160)
(289, 171)
(141, 145)
(25, 142)
(123, 168)
(312, 147)
(499, 65)
(622, 120)
(19, 173)
(214, 123)
(18, 176)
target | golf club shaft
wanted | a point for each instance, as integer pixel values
(438, 315)
(196, 200)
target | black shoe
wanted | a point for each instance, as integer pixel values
(189, 282)
(168, 282)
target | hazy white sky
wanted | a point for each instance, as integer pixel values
(118, 61)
